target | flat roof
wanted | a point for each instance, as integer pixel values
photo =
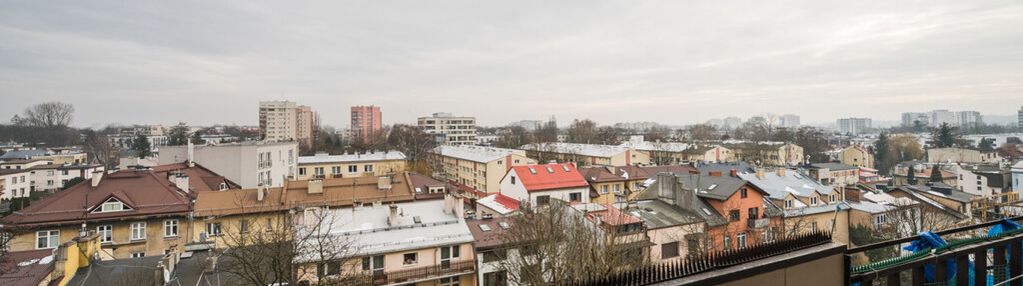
(321, 158)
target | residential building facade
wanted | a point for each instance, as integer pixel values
(286, 121)
(366, 121)
(853, 125)
(249, 163)
(480, 168)
(450, 129)
(373, 163)
(857, 155)
(586, 154)
(766, 153)
(538, 184)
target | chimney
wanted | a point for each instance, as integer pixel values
(96, 177)
(191, 154)
(853, 194)
(448, 203)
(181, 181)
(315, 186)
(260, 192)
(760, 173)
(781, 172)
(714, 173)
(392, 216)
(458, 207)
(384, 183)
(733, 172)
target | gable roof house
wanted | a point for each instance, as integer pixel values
(538, 184)
(613, 184)
(136, 212)
(808, 205)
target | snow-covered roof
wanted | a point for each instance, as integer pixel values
(790, 182)
(321, 158)
(499, 203)
(592, 150)
(658, 146)
(478, 154)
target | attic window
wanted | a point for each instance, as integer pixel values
(712, 187)
(503, 225)
(484, 227)
(223, 186)
(112, 205)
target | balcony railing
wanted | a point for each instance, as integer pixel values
(425, 272)
(758, 223)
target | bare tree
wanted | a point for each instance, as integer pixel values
(703, 132)
(98, 146)
(606, 135)
(514, 137)
(557, 245)
(49, 115)
(583, 131)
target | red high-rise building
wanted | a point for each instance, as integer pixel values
(366, 121)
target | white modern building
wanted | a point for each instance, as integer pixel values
(911, 118)
(982, 179)
(853, 125)
(285, 121)
(942, 116)
(15, 183)
(454, 130)
(248, 164)
(969, 119)
(788, 121)
(48, 178)
(538, 184)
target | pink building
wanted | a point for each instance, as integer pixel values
(366, 121)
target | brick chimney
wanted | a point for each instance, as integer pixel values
(733, 173)
(96, 177)
(392, 215)
(714, 173)
(853, 195)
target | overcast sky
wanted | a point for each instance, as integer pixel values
(675, 62)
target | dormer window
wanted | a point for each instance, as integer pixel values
(112, 205)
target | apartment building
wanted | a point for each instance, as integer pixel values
(834, 174)
(943, 116)
(968, 119)
(808, 205)
(613, 184)
(59, 156)
(366, 121)
(249, 163)
(416, 243)
(286, 121)
(853, 125)
(983, 179)
(766, 153)
(586, 154)
(789, 121)
(52, 177)
(450, 129)
(478, 167)
(15, 183)
(961, 155)
(674, 153)
(373, 163)
(856, 155)
(914, 118)
(139, 212)
(538, 184)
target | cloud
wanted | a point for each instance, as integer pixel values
(674, 62)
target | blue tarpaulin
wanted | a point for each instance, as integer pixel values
(930, 240)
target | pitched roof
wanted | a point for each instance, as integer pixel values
(146, 192)
(833, 166)
(790, 182)
(23, 154)
(200, 179)
(500, 203)
(677, 169)
(550, 176)
(489, 233)
(320, 158)
(26, 268)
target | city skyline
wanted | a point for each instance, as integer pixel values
(672, 63)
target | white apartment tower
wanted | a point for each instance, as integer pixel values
(285, 121)
(853, 125)
(452, 130)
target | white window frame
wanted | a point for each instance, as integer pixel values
(138, 231)
(168, 225)
(52, 237)
(106, 233)
(740, 240)
(214, 229)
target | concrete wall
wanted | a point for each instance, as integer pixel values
(827, 271)
(380, 168)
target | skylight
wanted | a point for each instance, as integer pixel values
(550, 170)
(712, 186)
(484, 227)
(531, 170)
(565, 167)
(503, 225)
(706, 211)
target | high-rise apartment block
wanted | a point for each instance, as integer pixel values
(942, 116)
(914, 118)
(969, 119)
(450, 129)
(853, 125)
(788, 120)
(366, 121)
(1019, 116)
(286, 121)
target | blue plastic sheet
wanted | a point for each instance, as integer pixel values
(930, 240)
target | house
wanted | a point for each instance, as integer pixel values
(51, 266)
(673, 153)
(610, 184)
(766, 153)
(492, 248)
(983, 179)
(250, 163)
(15, 183)
(921, 173)
(961, 155)
(478, 167)
(856, 155)
(497, 205)
(736, 213)
(322, 165)
(1017, 177)
(674, 232)
(834, 174)
(421, 242)
(538, 184)
(808, 204)
(139, 212)
(940, 196)
(586, 154)
(622, 229)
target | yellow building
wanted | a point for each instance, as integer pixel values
(323, 165)
(858, 156)
(613, 184)
(767, 153)
(587, 154)
(478, 167)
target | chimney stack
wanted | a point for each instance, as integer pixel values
(392, 216)
(315, 186)
(191, 154)
(448, 203)
(734, 173)
(458, 207)
(853, 194)
(781, 172)
(181, 181)
(384, 183)
(714, 173)
(260, 192)
(96, 177)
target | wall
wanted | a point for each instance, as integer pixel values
(380, 168)
(122, 245)
(677, 233)
(827, 271)
(240, 162)
(804, 224)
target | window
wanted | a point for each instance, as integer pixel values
(449, 281)
(106, 233)
(512, 180)
(335, 170)
(447, 254)
(618, 188)
(813, 225)
(753, 213)
(788, 204)
(330, 268)
(669, 250)
(138, 231)
(575, 197)
(112, 205)
(47, 239)
(170, 228)
(543, 200)
(494, 255)
(603, 189)
(743, 193)
(733, 215)
(813, 201)
(727, 242)
(318, 171)
(831, 198)
(353, 168)
(374, 264)
(243, 226)
(213, 229)
(497, 278)
(301, 171)
(367, 168)
(410, 258)
(880, 220)
(740, 239)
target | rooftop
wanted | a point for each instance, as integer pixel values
(321, 158)
(591, 150)
(788, 182)
(500, 203)
(26, 268)
(550, 176)
(659, 214)
(475, 153)
(833, 166)
(488, 233)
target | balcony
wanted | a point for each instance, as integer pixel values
(758, 223)
(417, 274)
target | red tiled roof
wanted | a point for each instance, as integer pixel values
(550, 176)
(507, 202)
